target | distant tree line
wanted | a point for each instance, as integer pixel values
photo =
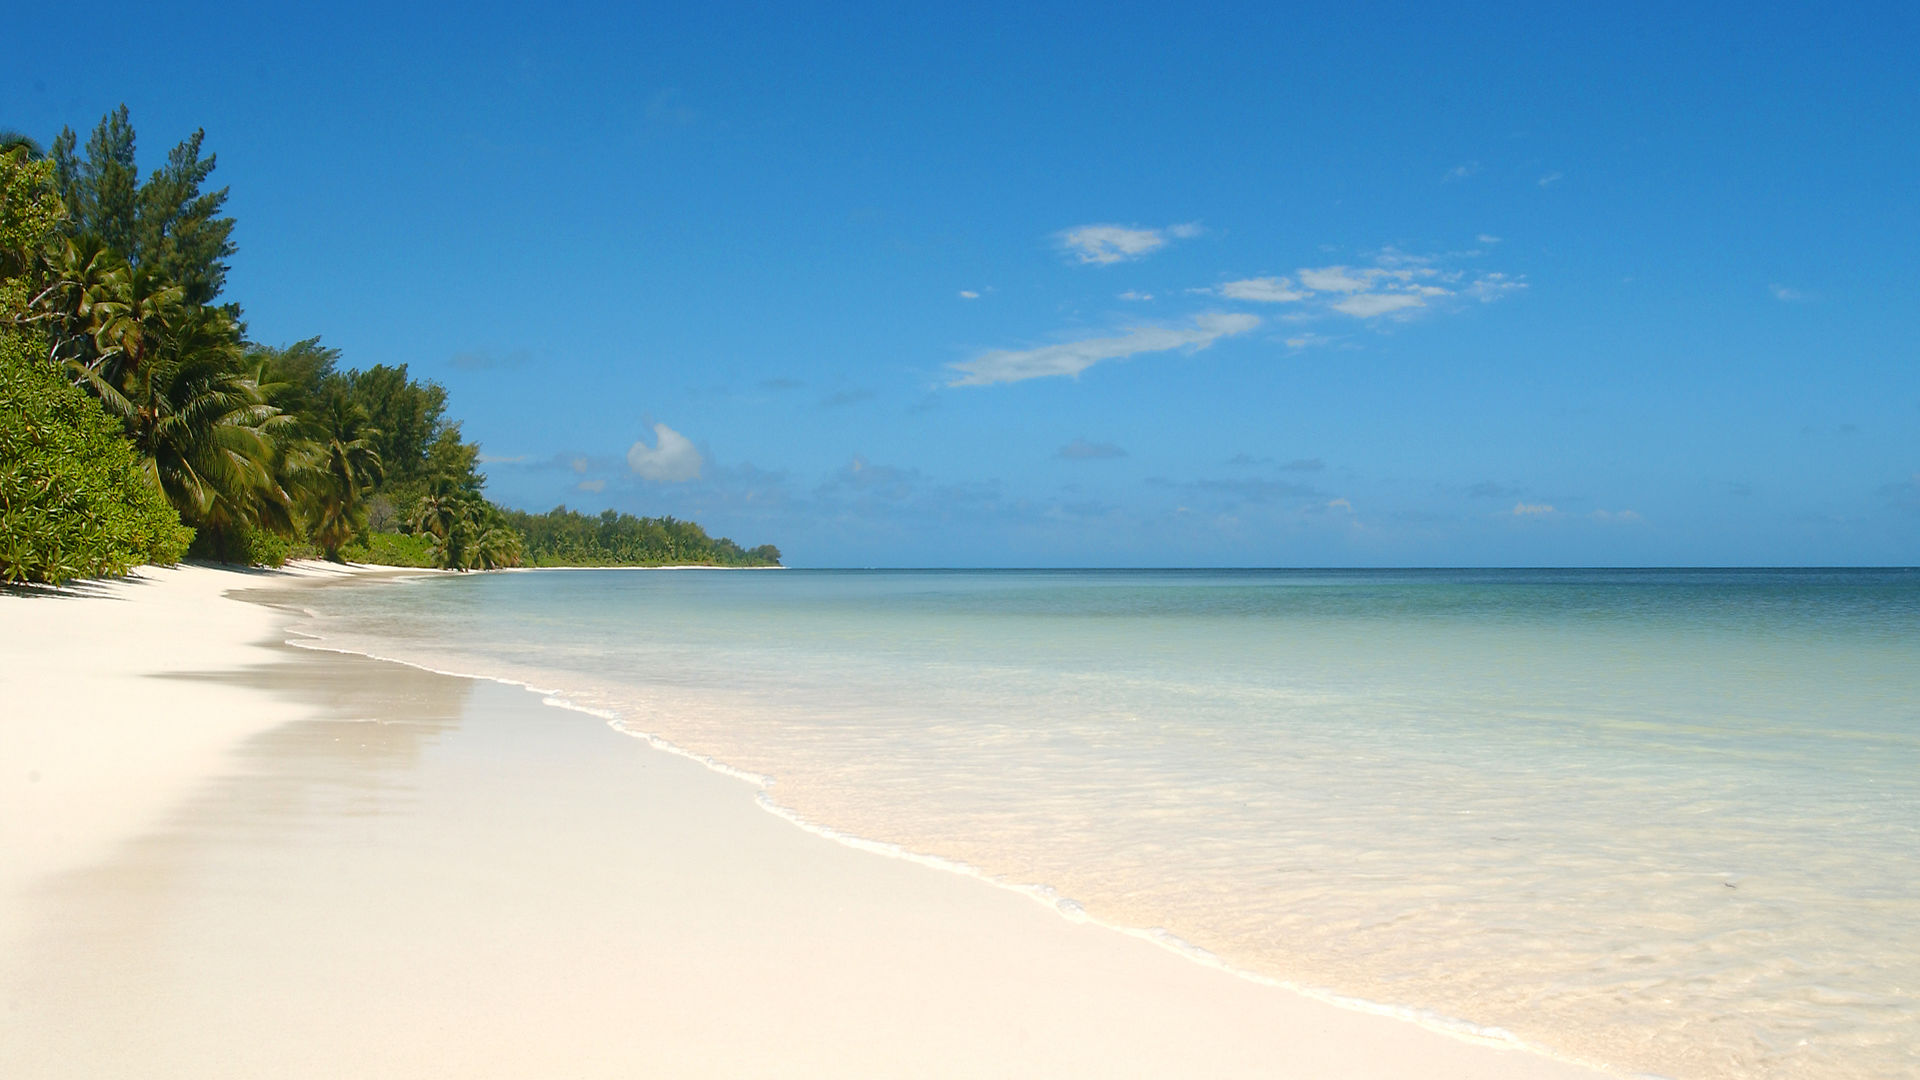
(563, 537)
(139, 422)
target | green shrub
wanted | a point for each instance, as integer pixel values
(265, 549)
(74, 501)
(391, 549)
(243, 545)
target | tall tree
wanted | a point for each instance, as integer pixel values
(101, 190)
(409, 416)
(167, 225)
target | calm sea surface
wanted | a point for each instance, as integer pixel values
(1665, 821)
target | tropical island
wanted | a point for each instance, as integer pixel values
(139, 423)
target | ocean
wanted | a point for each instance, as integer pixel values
(1665, 821)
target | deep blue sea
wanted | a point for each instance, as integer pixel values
(1667, 821)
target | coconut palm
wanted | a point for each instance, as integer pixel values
(348, 467)
(442, 514)
(496, 546)
(11, 140)
(206, 437)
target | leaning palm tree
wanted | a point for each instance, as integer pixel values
(496, 546)
(206, 437)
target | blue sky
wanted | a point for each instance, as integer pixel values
(1084, 285)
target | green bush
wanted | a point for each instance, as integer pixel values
(391, 549)
(244, 545)
(74, 501)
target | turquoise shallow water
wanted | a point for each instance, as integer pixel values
(1666, 821)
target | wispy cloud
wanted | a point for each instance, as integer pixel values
(1617, 517)
(1487, 238)
(1527, 509)
(1104, 244)
(1552, 178)
(969, 294)
(1368, 305)
(1071, 358)
(1398, 283)
(597, 484)
(1265, 290)
(1082, 450)
(501, 459)
(671, 460)
(1135, 295)
(1333, 279)
(1460, 172)
(1787, 293)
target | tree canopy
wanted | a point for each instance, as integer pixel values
(139, 414)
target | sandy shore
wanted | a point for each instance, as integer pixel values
(224, 856)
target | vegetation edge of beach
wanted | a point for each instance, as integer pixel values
(140, 424)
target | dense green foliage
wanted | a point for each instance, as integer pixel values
(563, 537)
(130, 380)
(74, 500)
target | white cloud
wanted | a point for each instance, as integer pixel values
(596, 484)
(1266, 290)
(1624, 517)
(1552, 178)
(1132, 294)
(969, 294)
(1332, 279)
(1368, 305)
(1526, 509)
(1397, 282)
(1490, 287)
(1786, 293)
(1103, 244)
(1071, 358)
(1461, 172)
(578, 464)
(671, 460)
(1487, 238)
(498, 459)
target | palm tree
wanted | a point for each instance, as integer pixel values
(86, 291)
(207, 438)
(498, 545)
(11, 140)
(347, 468)
(441, 513)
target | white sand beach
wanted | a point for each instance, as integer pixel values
(223, 856)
